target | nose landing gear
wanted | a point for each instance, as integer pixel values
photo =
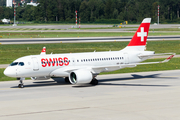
(21, 85)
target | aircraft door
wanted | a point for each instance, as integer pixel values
(126, 58)
(35, 64)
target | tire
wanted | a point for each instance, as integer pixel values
(21, 86)
(66, 80)
(94, 81)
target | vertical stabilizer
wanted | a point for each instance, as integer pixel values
(140, 37)
(43, 52)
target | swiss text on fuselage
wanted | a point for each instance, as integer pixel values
(47, 62)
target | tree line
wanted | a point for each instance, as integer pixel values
(97, 11)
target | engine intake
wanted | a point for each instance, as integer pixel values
(80, 77)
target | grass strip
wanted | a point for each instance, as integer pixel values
(75, 34)
(9, 53)
(165, 29)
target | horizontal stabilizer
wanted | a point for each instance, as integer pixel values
(166, 60)
(150, 55)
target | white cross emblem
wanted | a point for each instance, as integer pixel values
(142, 34)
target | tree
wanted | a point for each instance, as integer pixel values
(1, 12)
(84, 11)
(108, 9)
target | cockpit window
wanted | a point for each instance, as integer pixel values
(21, 64)
(14, 64)
(17, 63)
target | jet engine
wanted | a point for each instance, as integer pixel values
(80, 76)
(40, 78)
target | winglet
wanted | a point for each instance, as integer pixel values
(170, 57)
(43, 52)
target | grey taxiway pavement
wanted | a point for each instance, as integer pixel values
(81, 39)
(130, 96)
(88, 26)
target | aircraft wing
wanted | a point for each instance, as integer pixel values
(142, 55)
(98, 68)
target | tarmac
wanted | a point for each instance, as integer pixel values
(131, 96)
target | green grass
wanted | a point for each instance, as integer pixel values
(173, 64)
(75, 34)
(165, 29)
(60, 34)
(9, 53)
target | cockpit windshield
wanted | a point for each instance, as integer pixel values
(21, 64)
(14, 64)
(17, 63)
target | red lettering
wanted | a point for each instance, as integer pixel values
(49, 62)
(60, 61)
(44, 64)
(66, 62)
(55, 61)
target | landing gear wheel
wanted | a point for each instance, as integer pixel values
(94, 81)
(67, 80)
(21, 86)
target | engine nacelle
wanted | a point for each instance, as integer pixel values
(80, 77)
(40, 78)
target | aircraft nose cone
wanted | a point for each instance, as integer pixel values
(10, 72)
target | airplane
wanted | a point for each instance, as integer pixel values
(82, 68)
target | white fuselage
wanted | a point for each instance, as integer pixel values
(59, 65)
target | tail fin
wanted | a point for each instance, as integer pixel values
(43, 52)
(140, 37)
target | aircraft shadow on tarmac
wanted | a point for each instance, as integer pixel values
(101, 82)
(134, 76)
(44, 83)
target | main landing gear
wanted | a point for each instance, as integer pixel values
(21, 85)
(94, 81)
(66, 79)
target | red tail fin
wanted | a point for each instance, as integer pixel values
(43, 52)
(140, 37)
